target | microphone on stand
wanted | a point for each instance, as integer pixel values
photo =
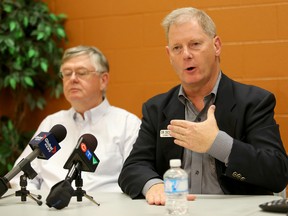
(81, 159)
(44, 146)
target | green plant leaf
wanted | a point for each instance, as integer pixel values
(47, 30)
(61, 33)
(10, 125)
(12, 83)
(11, 50)
(9, 42)
(28, 80)
(35, 63)
(62, 16)
(44, 66)
(17, 65)
(19, 34)
(7, 8)
(53, 17)
(40, 35)
(58, 90)
(12, 25)
(25, 21)
(40, 103)
(31, 53)
(32, 20)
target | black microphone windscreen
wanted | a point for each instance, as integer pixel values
(59, 132)
(90, 141)
(60, 195)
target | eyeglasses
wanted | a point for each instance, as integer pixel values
(81, 73)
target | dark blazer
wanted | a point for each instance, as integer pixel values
(258, 162)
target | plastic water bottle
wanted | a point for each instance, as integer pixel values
(176, 189)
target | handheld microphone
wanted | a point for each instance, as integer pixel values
(81, 159)
(44, 145)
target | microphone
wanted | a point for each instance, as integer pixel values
(44, 146)
(47, 143)
(81, 159)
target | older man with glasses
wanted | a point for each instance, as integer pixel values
(85, 75)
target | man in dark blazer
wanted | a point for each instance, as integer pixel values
(228, 125)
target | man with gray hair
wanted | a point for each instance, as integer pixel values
(223, 131)
(85, 74)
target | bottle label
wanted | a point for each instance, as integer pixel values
(175, 185)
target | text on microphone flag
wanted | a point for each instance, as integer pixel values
(47, 143)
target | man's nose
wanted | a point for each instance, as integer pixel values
(187, 52)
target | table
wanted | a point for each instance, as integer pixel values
(118, 204)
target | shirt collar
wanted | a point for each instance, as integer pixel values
(94, 114)
(182, 95)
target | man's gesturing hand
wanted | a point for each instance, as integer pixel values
(196, 136)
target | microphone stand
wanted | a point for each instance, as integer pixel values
(79, 193)
(30, 173)
(23, 192)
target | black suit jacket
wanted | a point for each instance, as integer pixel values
(258, 162)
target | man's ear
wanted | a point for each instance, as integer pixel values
(104, 80)
(217, 45)
(168, 53)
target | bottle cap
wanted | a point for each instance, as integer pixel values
(175, 163)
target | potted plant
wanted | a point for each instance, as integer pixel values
(30, 53)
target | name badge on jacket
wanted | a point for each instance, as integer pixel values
(165, 133)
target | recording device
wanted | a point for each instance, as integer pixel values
(81, 159)
(44, 146)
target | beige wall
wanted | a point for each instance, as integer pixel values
(254, 35)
